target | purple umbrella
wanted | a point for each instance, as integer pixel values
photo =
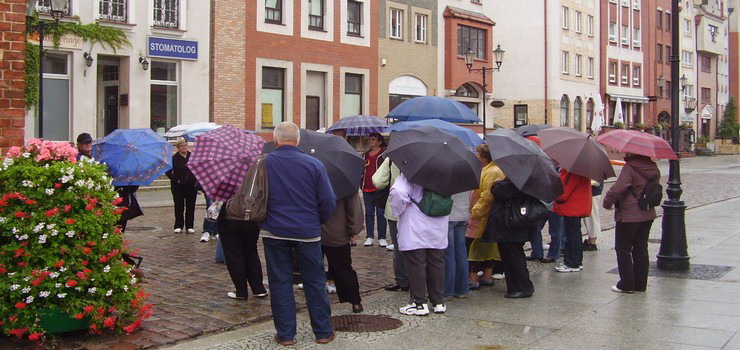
(221, 158)
(359, 125)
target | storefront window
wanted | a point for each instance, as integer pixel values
(273, 96)
(164, 96)
(56, 97)
(352, 104)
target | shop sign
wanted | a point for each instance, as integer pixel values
(172, 48)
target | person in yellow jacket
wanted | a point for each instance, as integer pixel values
(478, 251)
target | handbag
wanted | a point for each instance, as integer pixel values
(381, 196)
(523, 211)
(250, 201)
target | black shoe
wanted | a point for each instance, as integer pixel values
(531, 258)
(519, 295)
(395, 288)
(589, 247)
(547, 260)
(357, 308)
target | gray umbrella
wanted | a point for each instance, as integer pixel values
(435, 159)
(525, 164)
(577, 152)
(531, 129)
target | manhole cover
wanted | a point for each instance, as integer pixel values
(654, 240)
(365, 323)
(696, 272)
(140, 228)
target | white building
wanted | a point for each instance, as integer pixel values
(160, 80)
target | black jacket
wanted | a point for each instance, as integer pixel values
(180, 174)
(495, 231)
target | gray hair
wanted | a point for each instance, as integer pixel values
(286, 132)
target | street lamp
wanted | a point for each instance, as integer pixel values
(144, 63)
(498, 57)
(57, 12)
(673, 254)
(88, 59)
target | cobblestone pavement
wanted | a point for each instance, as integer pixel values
(189, 289)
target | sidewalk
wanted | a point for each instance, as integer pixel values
(567, 311)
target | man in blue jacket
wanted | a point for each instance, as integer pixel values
(300, 200)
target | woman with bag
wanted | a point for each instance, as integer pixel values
(183, 186)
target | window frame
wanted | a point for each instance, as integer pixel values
(312, 18)
(162, 22)
(109, 16)
(577, 19)
(518, 109)
(636, 75)
(272, 12)
(706, 95)
(706, 68)
(612, 72)
(175, 83)
(687, 27)
(624, 35)
(351, 24)
(396, 24)
(480, 54)
(564, 62)
(636, 37)
(578, 63)
(687, 59)
(590, 67)
(590, 25)
(612, 32)
(360, 85)
(282, 89)
(659, 53)
(564, 18)
(624, 74)
(659, 19)
(420, 29)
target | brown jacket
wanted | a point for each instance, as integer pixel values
(347, 221)
(632, 181)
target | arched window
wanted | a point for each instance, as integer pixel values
(564, 110)
(589, 112)
(577, 109)
(466, 90)
(468, 95)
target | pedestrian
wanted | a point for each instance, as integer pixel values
(482, 254)
(456, 254)
(373, 159)
(385, 177)
(84, 146)
(593, 222)
(129, 201)
(422, 239)
(300, 200)
(573, 205)
(239, 241)
(342, 227)
(183, 187)
(510, 240)
(633, 223)
(210, 227)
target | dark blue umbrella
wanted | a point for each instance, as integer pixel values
(359, 125)
(135, 157)
(433, 107)
(467, 136)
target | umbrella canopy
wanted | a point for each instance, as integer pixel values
(192, 132)
(632, 141)
(435, 159)
(525, 164)
(577, 152)
(221, 158)
(598, 120)
(177, 131)
(434, 107)
(359, 125)
(343, 165)
(531, 129)
(135, 157)
(467, 136)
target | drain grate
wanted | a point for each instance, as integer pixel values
(140, 228)
(696, 272)
(365, 323)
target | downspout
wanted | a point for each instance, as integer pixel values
(546, 74)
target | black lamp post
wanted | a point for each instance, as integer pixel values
(673, 254)
(57, 12)
(498, 56)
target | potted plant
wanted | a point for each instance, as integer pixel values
(619, 125)
(60, 251)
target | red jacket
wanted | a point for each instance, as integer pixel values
(576, 198)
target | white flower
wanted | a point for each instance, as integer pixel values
(3, 219)
(42, 239)
(38, 228)
(70, 170)
(70, 234)
(125, 288)
(44, 294)
(26, 290)
(105, 235)
(54, 233)
(79, 289)
(91, 290)
(106, 268)
(49, 191)
(54, 274)
(26, 155)
(27, 279)
(14, 287)
(62, 269)
(61, 295)
(29, 299)
(7, 162)
(11, 274)
(50, 226)
(14, 230)
(23, 238)
(58, 285)
(27, 183)
(109, 292)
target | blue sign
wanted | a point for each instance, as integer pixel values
(173, 48)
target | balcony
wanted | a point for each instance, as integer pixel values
(709, 36)
(689, 105)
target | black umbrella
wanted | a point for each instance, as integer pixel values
(525, 164)
(344, 166)
(435, 159)
(531, 129)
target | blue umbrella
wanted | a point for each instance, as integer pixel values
(359, 125)
(433, 107)
(467, 136)
(135, 157)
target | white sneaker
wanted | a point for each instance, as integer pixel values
(440, 308)
(190, 230)
(390, 247)
(498, 276)
(415, 310)
(566, 268)
(616, 289)
(383, 243)
(178, 230)
(368, 242)
(331, 289)
(262, 295)
(205, 237)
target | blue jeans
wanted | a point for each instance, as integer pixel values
(573, 256)
(370, 212)
(456, 260)
(278, 255)
(208, 225)
(219, 257)
(556, 236)
(535, 239)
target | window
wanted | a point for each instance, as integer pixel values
(706, 64)
(687, 59)
(113, 10)
(613, 72)
(564, 62)
(273, 96)
(659, 53)
(274, 11)
(612, 32)
(316, 14)
(352, 104)
(636, 37)
(469, 38)
(565, 17)
(590, 68)
(659, 19)
(166, 13)
(56, 96)
(589, 113)
(420, 28)
(564, 110)
(668, 87)
(578, 21)
(636, 109)
(579, 59)
(706, 95)
(668, 22)
(590, 25)
(466, 90)
(625, 74)
(396, 25)
(687, 27)
(625, 35)
(164, 96)
(713, 31)
(354, 18)
(667, 54)
(636, 75)
(689, 91)
(577, 113)
(521, 115)
(44, 6)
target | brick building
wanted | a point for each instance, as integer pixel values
(656, 18)
(12, 73)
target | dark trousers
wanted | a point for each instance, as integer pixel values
(339, 260)
(184, 198)
(632, 254)
(239, 241)
(573, 256)
(399, 267)
(426, 271)
(515, 267)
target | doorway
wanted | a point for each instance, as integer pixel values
(108, 92)
(313, 112)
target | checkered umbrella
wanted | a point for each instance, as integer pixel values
(359, 125)
(221, 158)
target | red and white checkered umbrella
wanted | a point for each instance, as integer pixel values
(221, 159)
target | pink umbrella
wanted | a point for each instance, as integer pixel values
(632, 141)
(221, 159)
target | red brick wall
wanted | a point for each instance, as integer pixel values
(456, 72)
(653, 65)
(12, 73)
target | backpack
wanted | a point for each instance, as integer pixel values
(250, 201)
(434, 204)
(651, 196)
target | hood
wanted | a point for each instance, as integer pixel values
(644, 166)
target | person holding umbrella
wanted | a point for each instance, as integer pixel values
(183, 188)
(373, 159)
(84, 146)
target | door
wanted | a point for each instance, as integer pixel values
(108, 92)
(110, 108)
(313, 112)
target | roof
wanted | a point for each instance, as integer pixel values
(451, 11)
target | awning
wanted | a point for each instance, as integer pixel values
(629, 98)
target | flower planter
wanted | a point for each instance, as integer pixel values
(55, 321)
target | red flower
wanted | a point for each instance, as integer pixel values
(71, 283)
(22, 264)
(79, 316)
(3, 203)
(18, 332)
(93, 327)
(70, 221)
(67, 208)
(30, 201)
(57, 185)
(37, 281)
(87, 271)
(109, 322)
(34, 336)
(120, 210)
(20, 305)
(52, 212)
(117, 230)
(3, 270)
(103, 259)
(85, 262)
(81, 275)
(87, 251)
(19, 214)
(18, 253)
(59, 263)
(88, 309)
(117, 201)
(98, 212)
(91, 243)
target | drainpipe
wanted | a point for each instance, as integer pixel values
(546, 76)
